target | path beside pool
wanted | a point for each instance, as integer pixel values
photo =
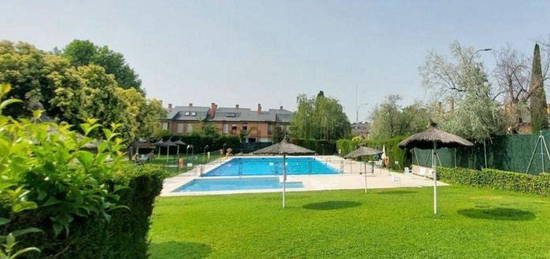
(350, 179)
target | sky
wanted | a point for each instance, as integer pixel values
(251, 51)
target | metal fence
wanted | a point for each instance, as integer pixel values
(240, 166)
(509, 153)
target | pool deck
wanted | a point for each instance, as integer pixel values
(352, 178)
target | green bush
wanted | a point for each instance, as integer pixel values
(345, 146)
(86, 204)
(200, 141)
(393, 152)
(497, 179)
(321, 147)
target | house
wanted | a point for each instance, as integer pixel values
(360, 129)
(255, 125)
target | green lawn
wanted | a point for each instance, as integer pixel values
(473, 223)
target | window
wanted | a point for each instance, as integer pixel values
(164, 126)
(193, 114)
(180, 127)
(270, 129)
(189, 128)
(245, 127)
(187, 113)
(225, 128)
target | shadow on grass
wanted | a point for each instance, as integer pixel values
(331, 205)
(498, 214)
(397, 192)
(176, 249)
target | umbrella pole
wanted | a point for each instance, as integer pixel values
(284, 179)
(365, 163)
(434, 166)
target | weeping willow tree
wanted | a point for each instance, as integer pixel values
(319, 117)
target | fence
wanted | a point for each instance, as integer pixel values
(509, 153)
(258, 166)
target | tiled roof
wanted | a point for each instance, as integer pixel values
(197, 113)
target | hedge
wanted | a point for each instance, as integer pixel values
(199, 142)
(393, 152)
(123, 236)
(321, 147)
(345, 146)
(497, 179)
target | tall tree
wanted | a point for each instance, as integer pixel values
(537, 104)
(320, 117)
(477, 113)
(84, 52)
(390, 119)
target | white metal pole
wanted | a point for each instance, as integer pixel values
(284, 179)
(365, 177)
(434, 166)
(541, 151)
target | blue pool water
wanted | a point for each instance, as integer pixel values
(228, 184)
(271, 166)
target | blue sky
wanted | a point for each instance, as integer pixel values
(268, 52)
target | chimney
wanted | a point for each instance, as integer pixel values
(169, 107)
(212, 110)
(259, 107)
(190, 104)
(237, 106)
(281, 107)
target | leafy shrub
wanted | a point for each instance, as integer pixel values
(321, 147)
(200, 141)
(393, 152)
(497, 179)
(345, 146)
(83, 201)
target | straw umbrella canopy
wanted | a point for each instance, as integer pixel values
(284, 148)
(159, 144)
(168, 144)
(179, 143)
(364, 151)
(434, 138)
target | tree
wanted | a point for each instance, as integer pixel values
(477, 113)
(319, 118)
(74, 91)
(537, 105)
(84, 52)
(390, 120)
(88, 92)
(28, 71)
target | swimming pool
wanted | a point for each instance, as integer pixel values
(229, 184)
(271, 166)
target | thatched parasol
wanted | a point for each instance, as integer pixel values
(168, 144)
(284, 148)
(179, 143)
(159, 144)
(434, 138)
(364, 151)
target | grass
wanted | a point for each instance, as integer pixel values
(391, 223)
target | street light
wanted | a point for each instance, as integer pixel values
(477, 51)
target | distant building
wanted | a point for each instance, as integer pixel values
(259, 124)
(360, 129)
